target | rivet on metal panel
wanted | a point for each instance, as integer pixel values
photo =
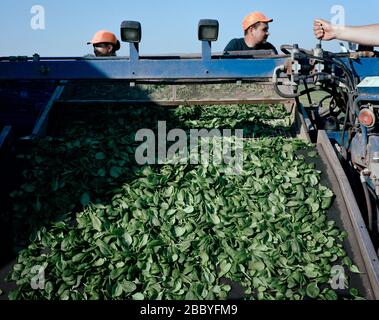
(44, 70)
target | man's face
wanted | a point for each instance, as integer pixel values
(102, 49)
(260, 33)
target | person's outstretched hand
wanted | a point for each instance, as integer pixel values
(323, 30)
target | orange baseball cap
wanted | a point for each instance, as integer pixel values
(254, 18)
(103, 36)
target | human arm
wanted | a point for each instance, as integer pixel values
(366, 35)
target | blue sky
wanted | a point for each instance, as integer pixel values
(168, 26)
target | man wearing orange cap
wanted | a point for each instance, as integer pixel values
(105, 44)
(256, 27)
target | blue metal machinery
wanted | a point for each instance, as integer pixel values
(350, 119)
(138, 68)
(162, 68)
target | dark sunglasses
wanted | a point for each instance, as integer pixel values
(100, 45)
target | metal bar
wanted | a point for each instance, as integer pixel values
(41, 125)
(303, 132)
(172, 68)
(249, 53)
(140, 70)
(366, 248)
(134, 51)
(174, 92)
(206, 50)
(306, 118)
(173, 102)
(4, 135)
(215, 55)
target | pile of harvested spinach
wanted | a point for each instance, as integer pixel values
(110, 230)
(257, 121)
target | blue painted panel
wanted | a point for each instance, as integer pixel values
(369, 90)
(167, 69)
(366, 67)
(141, 69)
(336, 136)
